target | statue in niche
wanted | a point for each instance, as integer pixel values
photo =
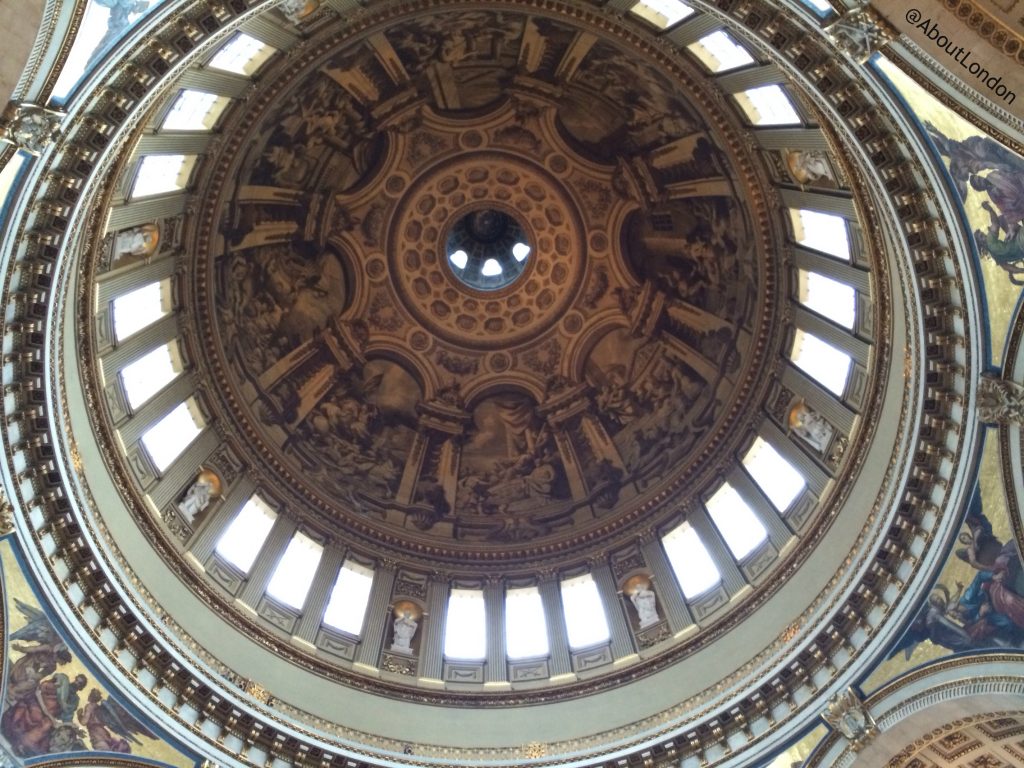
(809, 166)
(296, 10)
(405, 625)
(849, 715)
(30, 127)
(199, 495)
(138, 241)
(810, 426)
(644, 600)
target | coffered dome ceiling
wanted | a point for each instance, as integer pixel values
(368, 373)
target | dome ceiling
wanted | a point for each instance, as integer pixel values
(364, 367)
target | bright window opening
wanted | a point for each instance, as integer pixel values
(823, 232)
(151, 373)
(243, 55)
(346, 609)
(465, 626)
(166, 440)
(526, 631)
(779, 480)
(720, 53)
(490, 268)
(662, 13)
(460, 259)
(294, 573)
(195, 111)
(244, 537)
(822, 6)
(585, 621)
(520, 251)
(739, 526)
(159, 174)
(768, 105)
(695, 571)
(821, 361)
(835, 300)
(142, 307)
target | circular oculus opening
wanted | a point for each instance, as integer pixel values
(487, 249)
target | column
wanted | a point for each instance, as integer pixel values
(431, 664)
(804, 464)
(209, 531)
(174, 143)
(732, 578)
(379, 612)
(671, 602)
(162, 403)
(266, 561)
(840, 205)
(145, 211)
(110, 285)
(693, 29)
(791, 138)
(558, 640)
(135, 346)
(319, 593)
(745, 79)
(813, 261)
(496, 670)
(265, 30)
(622, 637)
(776, 528)
(838, 337)
(216, 81)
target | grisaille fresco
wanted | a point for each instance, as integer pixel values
(401, 394)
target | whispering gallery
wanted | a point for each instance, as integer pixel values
(511, 384)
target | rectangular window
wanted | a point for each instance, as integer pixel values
(526, 631)
(346, 609)
(695, 571)
(779, 480)
(823, 232)
(768, 105)
(294, 573)
(142, 307)
(160, 174)
(244, 537)
(739, 526)
(242, 54)
(165, 441)
(585, 621)
(151, 373)
(465, 626)
(195, 111)
(830, 298)
(662, 13)
(821, 361)
(720, 53)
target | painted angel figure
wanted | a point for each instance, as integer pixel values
(109, 725)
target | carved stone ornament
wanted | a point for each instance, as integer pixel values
(6, 515)
(1000, 401)
(847, 714)
(30, 127)
(860, 32)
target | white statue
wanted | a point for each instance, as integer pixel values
(808, 165)
(198, 496)
(810, 426)
(405, 627)
(137, 241)
(644, 601)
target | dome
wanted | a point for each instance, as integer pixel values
(567, 374)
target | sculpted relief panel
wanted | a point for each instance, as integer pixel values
(385, 385)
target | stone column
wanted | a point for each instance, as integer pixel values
(138, 344)
(554, 618)
(496, 670)
(776, 528)
(110, 285)
(431, 664)
(208, 533)
(319, 594)
(266, 561)
(671, 600)
(732, 577)
(156, 408)
(618, 627)
(378, 614)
